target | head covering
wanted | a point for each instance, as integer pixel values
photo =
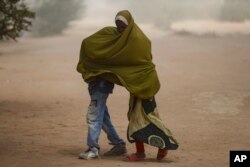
(121, 18)
(122, 58)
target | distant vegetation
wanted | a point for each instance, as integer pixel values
(53, 16)
(235, 10)
(164, 12)
(15, 17)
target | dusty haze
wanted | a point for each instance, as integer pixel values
(202, 58)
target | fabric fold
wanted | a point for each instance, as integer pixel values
(122, 58)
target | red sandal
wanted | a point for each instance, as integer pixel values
(161, 153)
(136, 157)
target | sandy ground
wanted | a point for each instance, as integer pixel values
(204, 99)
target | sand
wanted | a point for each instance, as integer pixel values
(204, 100)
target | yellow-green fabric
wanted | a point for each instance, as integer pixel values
(122, 58)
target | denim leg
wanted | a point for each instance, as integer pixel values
(95, 116)
(110, 130)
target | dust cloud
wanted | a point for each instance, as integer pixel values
(157, 18)
(161, 17)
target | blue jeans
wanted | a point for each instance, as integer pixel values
(98, 118)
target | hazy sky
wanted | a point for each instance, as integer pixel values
(161, 17)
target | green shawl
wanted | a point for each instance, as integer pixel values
(122, 58)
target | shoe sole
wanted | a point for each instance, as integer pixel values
(87, 158)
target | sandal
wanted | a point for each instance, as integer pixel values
(161, 153)
(136, 157)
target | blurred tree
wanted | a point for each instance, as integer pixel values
(52, 17)
(235, 10)
(14, 18)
